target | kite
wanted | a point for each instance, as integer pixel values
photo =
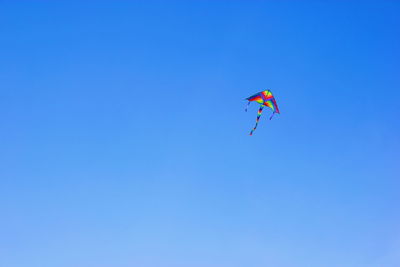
(264, 98)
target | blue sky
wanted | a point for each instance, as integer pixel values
(125, 141)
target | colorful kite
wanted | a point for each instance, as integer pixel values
(264, 98)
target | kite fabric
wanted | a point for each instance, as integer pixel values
(264, 98)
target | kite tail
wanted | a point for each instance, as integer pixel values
(248, 103)
(258, 119)
(272, 115)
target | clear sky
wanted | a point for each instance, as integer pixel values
(124, 140)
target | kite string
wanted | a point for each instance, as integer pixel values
(247, 105)
(258, 119)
